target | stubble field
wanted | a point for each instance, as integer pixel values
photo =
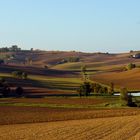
(114, 128)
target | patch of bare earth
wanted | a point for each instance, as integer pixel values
(115, 128)
(20, 115)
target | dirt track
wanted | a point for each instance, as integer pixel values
(116, 128)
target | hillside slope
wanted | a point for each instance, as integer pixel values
(102, 67)
(129, 79)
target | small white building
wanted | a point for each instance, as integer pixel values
(136, 55)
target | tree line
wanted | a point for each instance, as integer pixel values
(87, 87)
(13, 48)
(6, 91)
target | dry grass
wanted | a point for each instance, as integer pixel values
(116, 128)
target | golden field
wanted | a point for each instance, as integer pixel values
(113, 128)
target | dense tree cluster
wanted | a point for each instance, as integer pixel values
(73, 59)
(13, 48)
(98, 88)
(6, 91)
(86, 88)
(4, 87)
(20, 74)
(69, 59)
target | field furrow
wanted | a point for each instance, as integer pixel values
(115, 128)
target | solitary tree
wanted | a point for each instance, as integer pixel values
(19, 91)
(83, 69)
(85, 88)
(111, 89)
(125, 97)
(84, 73)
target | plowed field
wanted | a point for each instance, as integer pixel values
(114, 128)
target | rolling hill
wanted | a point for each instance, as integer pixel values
(102, 67)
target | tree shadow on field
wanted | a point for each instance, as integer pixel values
(56, 85)
(41, 84)
(37, 71)
(37, 87)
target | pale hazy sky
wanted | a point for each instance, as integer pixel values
(83, 25)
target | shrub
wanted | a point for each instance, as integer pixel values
(24, 75)
(4, 87)
(126, 98)
(6, 91)
(2, 80)
(131, 66)
(17, 74)
(20, 74)
(123, 95)
(124, 69)
(19, 91)
(46, 67)
(73, 59)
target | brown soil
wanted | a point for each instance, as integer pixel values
(116, 128)
(60, 100)
(15, 115)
